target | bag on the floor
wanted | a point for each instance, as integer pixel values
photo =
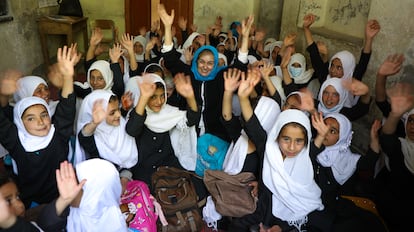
(138, 206)
(174, 190)
(231, 193)
(211, 151)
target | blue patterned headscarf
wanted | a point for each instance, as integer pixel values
(215, 69)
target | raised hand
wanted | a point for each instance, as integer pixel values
(75, 53)
(115, 53)
(166, 19)
(246, 26)
(306, 101)
(146, 87)
(8, 81)
(391, 65)
(182, 23)
(127, 100)
(96, 36)
(67, 182)
(231, 79)
(127, 42)
(356, 87)
(374, 143)
(319, 124)
(308, 20)
(183, 85)
(372, 28)
(401, 98)
(98, 112)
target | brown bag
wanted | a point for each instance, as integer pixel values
(231, 193)
(176, 194)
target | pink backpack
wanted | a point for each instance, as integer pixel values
(138, 206)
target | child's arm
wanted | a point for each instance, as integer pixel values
(96, 38)
(98, 115)
(68, 186)
(374, 144)
(308, 20)
(371, 30)
(231, 83)
(185, 89)
(246, 87)
(66, 63)
(147, 89)
(128, 43)
(391, 65)
(320, 127)
(167, 20)
(402, 100)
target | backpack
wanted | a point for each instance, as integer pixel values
(137, 205)
(231, 193)
(175, 192)
(211, 151)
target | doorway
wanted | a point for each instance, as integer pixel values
(144, 12)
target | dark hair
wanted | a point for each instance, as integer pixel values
(159, 85)
(5, 178)
(113, 98)
(153, 68)
(297, 125)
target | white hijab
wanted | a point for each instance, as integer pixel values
(112, 142)
(305, 75)
(170, 118)
(343, 95)
(407, 146)
(102, 66)
(348, 64)
(339, 156)
(294, 191)
(266, 112)
(26, 87)
(143, 41)
(30, 142)
(99, 207)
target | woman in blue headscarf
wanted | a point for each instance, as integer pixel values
(206, 74)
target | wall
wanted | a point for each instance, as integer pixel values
(105, 9)
(395, 37)
(20, 44)
(205, 12)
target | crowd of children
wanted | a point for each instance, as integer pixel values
(287, 122)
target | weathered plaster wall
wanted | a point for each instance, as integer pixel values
(20, 44)
(396, 36)
(205, 12)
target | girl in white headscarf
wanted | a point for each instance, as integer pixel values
(393, 192)
(102, 74)
(165, 135)
(36, 141)
(102, 132)
(98, 209)
(339, 172)
(34, 86)
(333, 95)
(246, 150)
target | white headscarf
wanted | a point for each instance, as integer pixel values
(343, 95)
(143, 41)
(348, 64)
(170, 118)
(99, 207)
(266, 112)
(407, 146)
(294, 191)
(26, 87)
(102, 66)
(189, 41)
(112, 142)
(30, 142)
(305, 75)
(222, 56)
(339, 156)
